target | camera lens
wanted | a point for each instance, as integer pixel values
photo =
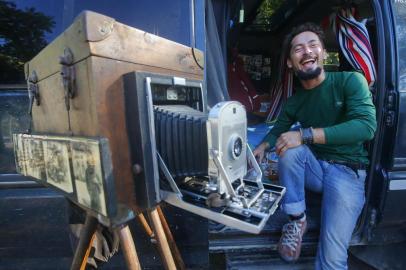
(237, 148)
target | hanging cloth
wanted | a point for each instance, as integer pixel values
(281, 90)
(353, 39)
(240, 86)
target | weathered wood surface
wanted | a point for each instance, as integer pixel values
(162, 241)
(128, 247)
(51, 116)
(85, 241)
(99, 35)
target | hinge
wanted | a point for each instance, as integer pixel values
(371, 224)
(68, 76)
(33, 91)
(390, 108)
(390, 100)
(390, 118)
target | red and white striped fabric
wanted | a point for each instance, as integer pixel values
(353, 39)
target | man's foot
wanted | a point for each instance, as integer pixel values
(290, 243)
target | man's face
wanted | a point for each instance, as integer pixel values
(306, 56)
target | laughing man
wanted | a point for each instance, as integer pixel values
(327, 155)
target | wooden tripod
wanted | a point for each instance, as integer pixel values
(160, 232)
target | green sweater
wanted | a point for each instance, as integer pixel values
(342, 105)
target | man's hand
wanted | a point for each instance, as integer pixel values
(288, 140)
(259, 152)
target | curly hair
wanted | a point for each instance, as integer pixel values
(305, 27)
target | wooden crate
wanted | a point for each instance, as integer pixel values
(79, 81)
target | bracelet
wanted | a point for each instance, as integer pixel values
(307, 135)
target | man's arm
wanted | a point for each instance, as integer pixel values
(284, 122)
(318, 136)
(259, 151)
(360, 126)
(360, 114)
(293, 139)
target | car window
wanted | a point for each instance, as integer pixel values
(399, 8)
(13, 119)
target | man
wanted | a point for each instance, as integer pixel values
(327, 154)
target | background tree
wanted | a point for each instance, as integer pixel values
(267, 9)
(22, 36)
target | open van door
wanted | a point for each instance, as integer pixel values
(388, 191)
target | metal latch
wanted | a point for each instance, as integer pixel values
(68, 76)
(33, 91)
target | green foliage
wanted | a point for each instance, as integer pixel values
(332, 59)
(22, 36)
(267, 8)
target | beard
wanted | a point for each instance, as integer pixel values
(308, 75)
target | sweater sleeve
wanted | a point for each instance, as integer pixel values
(360, 121)
(282, 124)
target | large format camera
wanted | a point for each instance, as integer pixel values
(203, 157)
(116, 139)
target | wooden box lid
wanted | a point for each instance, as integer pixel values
(93, 34)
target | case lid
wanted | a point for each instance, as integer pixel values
(93, 34)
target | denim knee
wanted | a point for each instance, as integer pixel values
(296, 154)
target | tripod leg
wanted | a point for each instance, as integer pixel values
(85, 238)
(84, 261)
(178, 257)
(145, 225)
(162, 241)
(129, 251)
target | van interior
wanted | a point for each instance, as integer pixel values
(254, 51)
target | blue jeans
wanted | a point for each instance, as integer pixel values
(343, 199)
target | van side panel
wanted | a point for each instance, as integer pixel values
(393, 194)
(399, 10)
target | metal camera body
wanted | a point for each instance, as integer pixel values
(204, 158)
(226, 138)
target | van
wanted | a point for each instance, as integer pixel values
(251, 31)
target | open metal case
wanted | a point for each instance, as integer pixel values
(203, 158)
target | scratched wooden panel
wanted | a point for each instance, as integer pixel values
(51, 115)
(96, 34)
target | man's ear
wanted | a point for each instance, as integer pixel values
(289, 63)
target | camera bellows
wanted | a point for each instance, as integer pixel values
(181, 139)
